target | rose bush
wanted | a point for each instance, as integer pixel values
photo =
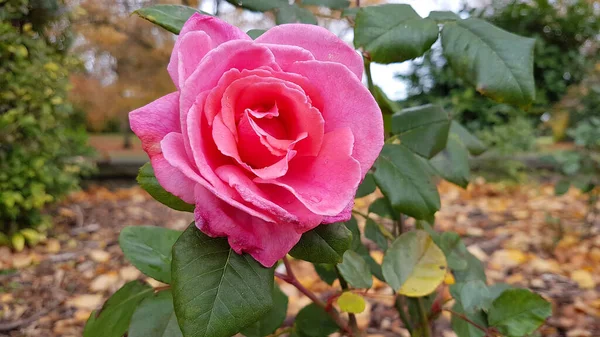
(268, 138)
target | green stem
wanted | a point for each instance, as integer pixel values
(351, 317)
(370, 84)
(424, 318)
(366, 216)
(399, 304)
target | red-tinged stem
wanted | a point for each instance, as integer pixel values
(466, 319)
(290, 278)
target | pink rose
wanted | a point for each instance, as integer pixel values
(268, 138)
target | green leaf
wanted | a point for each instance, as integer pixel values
(452, 163)
(472, 295)
(518, 312)
(324, 244)
(113, 320)
(326, 272)
(374, 232)
(147, 180)
(423, 129)
(272, 320)
(358, 247)
(393, 33)
(562, 186)
(498, 63)
(294, 14)
(313, 321)
(472, 143)
(258, 5)
(355, 270)
(463, 328)
(333, 4)
(382, 208)
(155, 317)
(170, 17)
(255, 33)
(443, 16)
(451, 244)
(217, 292)
(405, 180)
(413, 265)
(351, 302)
(366, 187)
(148, 248)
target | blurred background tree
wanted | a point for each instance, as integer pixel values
(41, 140)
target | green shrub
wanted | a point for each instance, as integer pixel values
(40, 147)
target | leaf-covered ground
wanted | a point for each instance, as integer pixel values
(524, 234)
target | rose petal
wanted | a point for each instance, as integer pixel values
(155, 120)
(325, 184)
(188, 52)
(267, 242)
(174, 153)
(285, 55)
(219, 30)
(355, 109)
(345, 215)
(172, 180)
(323, 44)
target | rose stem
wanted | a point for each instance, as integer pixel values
(290, 278)
(352, 318)
(424, 318)
(466, 319)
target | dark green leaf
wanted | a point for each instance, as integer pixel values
(562, 186)
(452, 163)
(113, 320)
(473, 144)
(497, 289)
(355, 270)
(148, 181)
(326, 272)
(393, 33)
(443, 16)
(272, 320)
(170, 17)
(258, 5)
(498, 63)
(254, 33)
(423, 129)
(463, 328)
(405, 181)
(294, 14)
(382, 208)
(518, 312)
(374, 233)
(148, 248)
(333, 4)
(155, 317)
(358, 247)
(472, 295)
(313, 321)
(350, 12)
(217, 292)
(452, 246)
(324, 244)
(366, 187)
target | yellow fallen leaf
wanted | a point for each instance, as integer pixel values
(583, 278)
(449, 279)
(351, 302)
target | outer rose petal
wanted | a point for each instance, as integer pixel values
(266, 241)
(152, 122)
(285, 55)
(172, 180)
(323, 44)
(345, 215)
(187, 54)
(355, 109)
(199, 35)
(325, 184)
